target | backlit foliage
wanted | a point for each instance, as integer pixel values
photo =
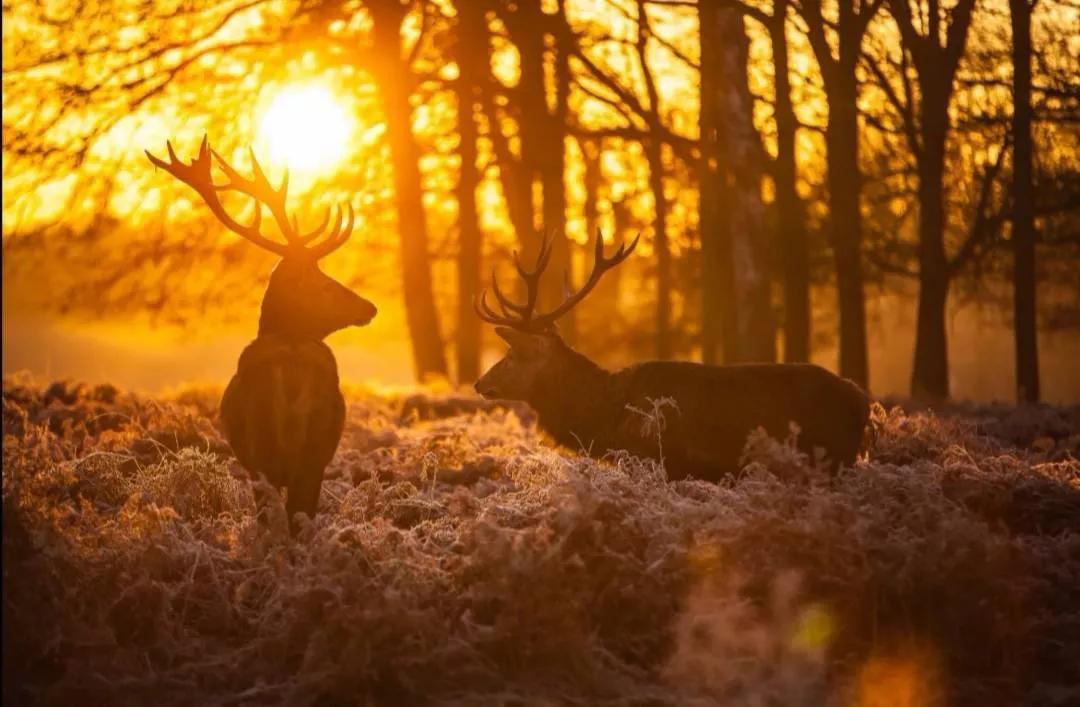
(80, 107)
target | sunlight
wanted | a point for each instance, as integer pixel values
(306, 129)
(910, 678)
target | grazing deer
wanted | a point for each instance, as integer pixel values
(581, 404)
(283, 412)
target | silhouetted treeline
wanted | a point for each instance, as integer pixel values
(815, 146)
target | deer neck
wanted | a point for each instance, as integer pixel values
(575, 400)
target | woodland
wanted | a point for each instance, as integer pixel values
(784, 163)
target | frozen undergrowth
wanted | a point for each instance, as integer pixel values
(460, 559)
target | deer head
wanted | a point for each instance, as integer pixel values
(536, 349)
(301, 302)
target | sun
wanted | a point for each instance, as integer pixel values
(306, 129)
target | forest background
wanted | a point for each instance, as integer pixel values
(888, 188)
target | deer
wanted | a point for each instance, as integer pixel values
(715, 407)
(283, 412)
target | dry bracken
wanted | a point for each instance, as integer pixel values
(459, 558)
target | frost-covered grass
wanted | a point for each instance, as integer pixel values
(460, 559)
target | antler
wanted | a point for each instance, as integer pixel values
(197, 176)
(523, 316)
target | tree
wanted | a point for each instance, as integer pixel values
(540, 38)
(1023, 219)
(471, 53)
(735, 275)
(935, 66)
(842, 155)
(791, 226)
(790, 236)
(654, 155)
(790, 217)
(642, 121)
(717, 325)
(394, 78)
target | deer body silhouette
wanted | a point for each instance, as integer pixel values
(283, 412)
(715, 407)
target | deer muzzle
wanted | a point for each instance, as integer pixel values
(366, 313)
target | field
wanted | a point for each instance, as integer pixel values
(459, 558)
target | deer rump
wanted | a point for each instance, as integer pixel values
(283, 414)
(717, 408)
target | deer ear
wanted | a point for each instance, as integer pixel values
(520, 340)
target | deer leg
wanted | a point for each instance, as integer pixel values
(268, 504)
(304, 491)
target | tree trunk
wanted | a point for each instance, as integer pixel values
(716, 287)
(552, 168)
(930, 376)
(791, 230)
(525, 28)
(393, 79)
(654, 155)
(515, 184)
(842, 153)
(625, 230)
(542, 129)
(590, 157)
(936, 66)
(472, 60)
(603, 303)
(1023, 221)
(740, 162)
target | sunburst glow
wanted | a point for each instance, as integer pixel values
(306, 129)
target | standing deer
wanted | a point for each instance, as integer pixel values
(283, 412)
(581, 404)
